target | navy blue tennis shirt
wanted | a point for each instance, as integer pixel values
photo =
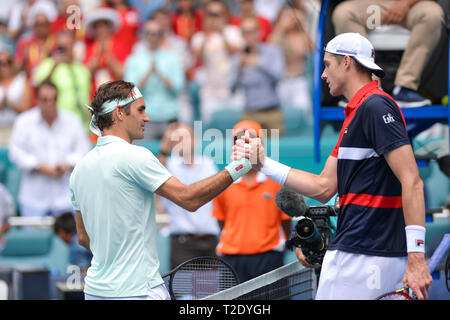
(371, 217)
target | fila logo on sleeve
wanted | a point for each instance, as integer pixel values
(388, 118)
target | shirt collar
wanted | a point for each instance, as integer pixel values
(355, 102)
(104, 140)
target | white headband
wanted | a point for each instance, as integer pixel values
(111, 105)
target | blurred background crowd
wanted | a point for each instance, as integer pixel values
(186, 56)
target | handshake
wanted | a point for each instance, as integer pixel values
(248, 153)
(249, 147)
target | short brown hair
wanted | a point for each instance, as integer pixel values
(359, 67)
(113, 90)
(46, 83)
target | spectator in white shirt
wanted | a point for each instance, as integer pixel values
(45, 144)
(192, 234)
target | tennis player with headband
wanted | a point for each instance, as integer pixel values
(113, 192)
(380, 239)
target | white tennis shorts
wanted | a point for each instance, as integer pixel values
(349, 276)
(157, 293)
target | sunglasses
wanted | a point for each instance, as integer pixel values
(151, 33)
(214, 14)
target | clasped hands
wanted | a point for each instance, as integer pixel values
(249, 147)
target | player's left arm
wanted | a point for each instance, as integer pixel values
(83, 238)
(403, 164)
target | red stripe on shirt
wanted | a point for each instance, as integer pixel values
(369, 200)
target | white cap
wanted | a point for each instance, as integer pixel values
(109, 14)
(356, 46)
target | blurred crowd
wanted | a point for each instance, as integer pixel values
(191, 59)
(186, 56)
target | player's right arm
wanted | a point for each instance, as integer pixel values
(321, 187)
(193, 196)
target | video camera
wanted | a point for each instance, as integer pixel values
(313, 230)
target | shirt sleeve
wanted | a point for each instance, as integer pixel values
(385, 128)
(146, 170)
(42, 71)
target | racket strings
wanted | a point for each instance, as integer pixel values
(200, 278)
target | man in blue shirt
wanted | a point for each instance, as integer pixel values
(257, 70)
(159, 74)
(380, 238)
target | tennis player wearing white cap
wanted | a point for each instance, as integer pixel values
(113, 192)
(379, 243)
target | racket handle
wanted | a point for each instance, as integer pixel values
(439, 253)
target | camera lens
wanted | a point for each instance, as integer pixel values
(307, 231)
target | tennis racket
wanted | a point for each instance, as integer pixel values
(407, 294)
(200, 277)
(401, 294)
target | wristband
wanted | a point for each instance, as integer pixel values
(275, 170)
(415, 238)
(238, 168)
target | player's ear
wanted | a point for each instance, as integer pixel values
(119, 113)
(347, 61)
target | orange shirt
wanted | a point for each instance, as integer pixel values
(252, 219)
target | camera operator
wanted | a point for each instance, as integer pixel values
(373, 169)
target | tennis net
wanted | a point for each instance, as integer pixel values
(289, 282)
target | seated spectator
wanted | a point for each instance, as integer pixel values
(186, 20)
(159, 75)
(15, 93)
(104, 55)
(72, 78)
(290, 36)
(212, 50)
(247, 10)
(423, 18)
(45, 145)
(126, 34)
(31, 50)
(65, 228)
(258, 69)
